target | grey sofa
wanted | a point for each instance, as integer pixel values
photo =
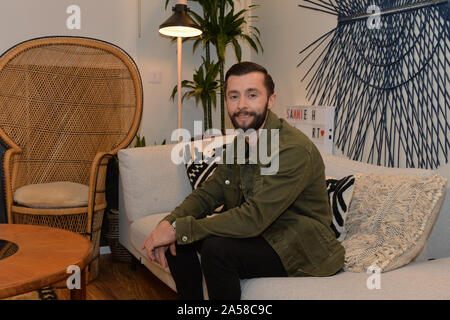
(151, 186)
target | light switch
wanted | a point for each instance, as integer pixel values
(154, 77)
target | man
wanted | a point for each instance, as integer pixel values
(275, 225)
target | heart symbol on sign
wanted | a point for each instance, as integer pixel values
(322, 132)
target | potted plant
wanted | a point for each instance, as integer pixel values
(203, 89)
(221, 27)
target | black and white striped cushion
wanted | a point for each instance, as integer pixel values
(340, 193)
(200, 166)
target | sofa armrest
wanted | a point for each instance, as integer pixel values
(150, 181)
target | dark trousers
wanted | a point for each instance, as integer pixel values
(223, 261)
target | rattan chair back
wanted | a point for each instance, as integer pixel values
(62, 101)
(67, 105)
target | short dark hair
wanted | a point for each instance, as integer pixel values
(246, 67)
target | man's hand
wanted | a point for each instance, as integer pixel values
(160, 254)
(158, 241)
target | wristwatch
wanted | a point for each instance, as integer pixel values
(174, 225)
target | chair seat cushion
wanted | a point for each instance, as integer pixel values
(62, 194)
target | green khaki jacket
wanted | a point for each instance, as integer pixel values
(289, 209)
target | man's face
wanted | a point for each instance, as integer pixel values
(247, 101)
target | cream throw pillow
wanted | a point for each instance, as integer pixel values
(63, 194)
(390, 218)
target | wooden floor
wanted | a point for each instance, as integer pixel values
(117, 281)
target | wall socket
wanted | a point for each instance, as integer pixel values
(154, 76)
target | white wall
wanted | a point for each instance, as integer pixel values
(159, 54)
(110, 20)
(285, 30)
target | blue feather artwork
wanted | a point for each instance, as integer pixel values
(385, 67)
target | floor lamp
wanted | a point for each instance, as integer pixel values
(180, 25)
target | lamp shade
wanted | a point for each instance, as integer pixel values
(180, 24)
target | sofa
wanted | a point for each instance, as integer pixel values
(151, 185)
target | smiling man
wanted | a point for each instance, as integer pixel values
(249, 97)
(273, 225)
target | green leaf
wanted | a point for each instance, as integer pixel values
(237, 50)
(196, 44)
(251, 42)
(140, 142)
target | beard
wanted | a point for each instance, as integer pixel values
(258, 118)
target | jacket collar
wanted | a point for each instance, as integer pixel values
(272, 122)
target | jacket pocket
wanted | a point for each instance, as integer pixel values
(334, 252)
(315, 246)
(325, 237)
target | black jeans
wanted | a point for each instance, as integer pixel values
(223, 261)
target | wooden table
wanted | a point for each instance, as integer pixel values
(42, 259)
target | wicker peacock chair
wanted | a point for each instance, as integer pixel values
(67, 105)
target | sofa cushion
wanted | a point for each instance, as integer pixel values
(142, 171)
(201, 163)
(141, 228)
(340, 193)
(202, 157)
(390, 219)
(62, 194)
(418, 280)
(438, 243)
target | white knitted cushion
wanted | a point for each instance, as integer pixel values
(390, 218)
(63, 194)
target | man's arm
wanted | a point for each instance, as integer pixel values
(200, 202)
(273, 194)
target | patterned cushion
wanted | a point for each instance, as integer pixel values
(339, 195)
(202, 160)
(201, 166)
(390, 218)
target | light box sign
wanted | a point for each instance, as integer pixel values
(316, 122)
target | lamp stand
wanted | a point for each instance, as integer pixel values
(180, 112)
